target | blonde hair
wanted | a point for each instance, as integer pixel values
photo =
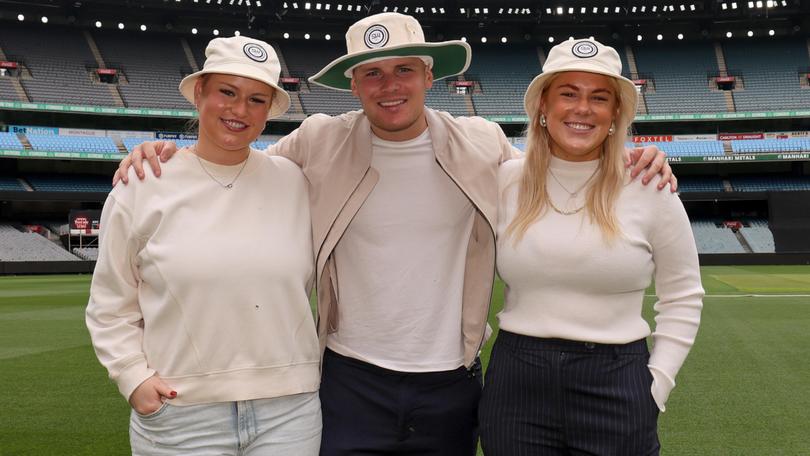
(607, 182)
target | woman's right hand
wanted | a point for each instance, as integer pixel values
(149, 396)
(153, 152)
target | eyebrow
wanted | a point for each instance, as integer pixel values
(571, 86)
(231, 86)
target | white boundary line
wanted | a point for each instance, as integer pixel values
(746, 295)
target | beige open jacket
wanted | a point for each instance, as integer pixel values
(335, 155)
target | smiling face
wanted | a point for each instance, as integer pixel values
(579, 109)
(392, 92)
(233, 112)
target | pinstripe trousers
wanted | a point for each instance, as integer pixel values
(563, 397)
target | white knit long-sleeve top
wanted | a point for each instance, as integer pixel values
(565, 281)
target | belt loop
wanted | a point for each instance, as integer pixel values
(615, 352)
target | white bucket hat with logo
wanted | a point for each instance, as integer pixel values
(583, 55)
(246, 57)
(392, 35)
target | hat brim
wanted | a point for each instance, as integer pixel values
(629, 93)
(281, 99)
(449, 59)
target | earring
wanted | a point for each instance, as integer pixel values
(543, 121)
(612, 129)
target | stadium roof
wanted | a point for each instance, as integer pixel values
(519, 20)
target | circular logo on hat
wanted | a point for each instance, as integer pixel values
(584, 49)
(376, 36)
(255, 52)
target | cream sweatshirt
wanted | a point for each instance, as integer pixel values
(207, 287)
(564, 280)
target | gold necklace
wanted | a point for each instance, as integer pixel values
(560, 211)
(571, 195)
(229, 185)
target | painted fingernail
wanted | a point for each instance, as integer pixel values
(173, 394)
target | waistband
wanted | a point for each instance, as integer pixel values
(332, 356)
(637, 347)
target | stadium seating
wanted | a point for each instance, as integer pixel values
(7, 91)
(60, 64)
(86, 253)
(758, 235)
(18, 246)
(770, 73)
(59, 143)
(681, 77)
(69, 183)
(503, 80)
(153, 64)
(712, 239)
(743, 146)
(688, 184)
(10, 141)
(766, 183)
(11, 184)
(690, 148)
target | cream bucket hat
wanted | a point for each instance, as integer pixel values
(246, 57)
(391, 35)
(583, 55)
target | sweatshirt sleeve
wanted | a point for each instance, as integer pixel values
(113, 313)
(679, 292)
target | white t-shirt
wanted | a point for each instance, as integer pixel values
(400, 264)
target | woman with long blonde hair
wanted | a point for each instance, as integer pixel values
(578, 243)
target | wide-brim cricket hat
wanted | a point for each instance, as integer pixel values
(246, 57)
(391, 35)
(583, 55)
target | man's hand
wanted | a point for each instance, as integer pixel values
(149, 396)
(153, 152)
(655, 162)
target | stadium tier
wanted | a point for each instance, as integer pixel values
(680, 77)
(766, 183)
(743, 146)
(688, 184)
(10, 141)
(711, 238)
(11, 184)
(770, 71)
(58, 66)
(758, 235)
(63, 143)
(69, 183)
(18, 246)
(502, 79)
(690, 148)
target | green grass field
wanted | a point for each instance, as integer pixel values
(745, 389)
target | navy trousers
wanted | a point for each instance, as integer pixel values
(368, 410)
(561, 397)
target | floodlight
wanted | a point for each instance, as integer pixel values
(44, 19)
(216, 32)
(659, 37)
(639, 38)
(750, 33)
(98, 24)
(286, 36)
(771, 32)
(121, 26)
(680, 36)
(483, 39)
(729, 34)
(551, 39)
(306, 36)
(327, 37)
(143, 27)
(503, 39)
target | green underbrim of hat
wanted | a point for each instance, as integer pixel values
(448, 60)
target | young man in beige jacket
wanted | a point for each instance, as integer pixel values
(404, 203)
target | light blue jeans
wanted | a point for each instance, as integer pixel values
(282, 426)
